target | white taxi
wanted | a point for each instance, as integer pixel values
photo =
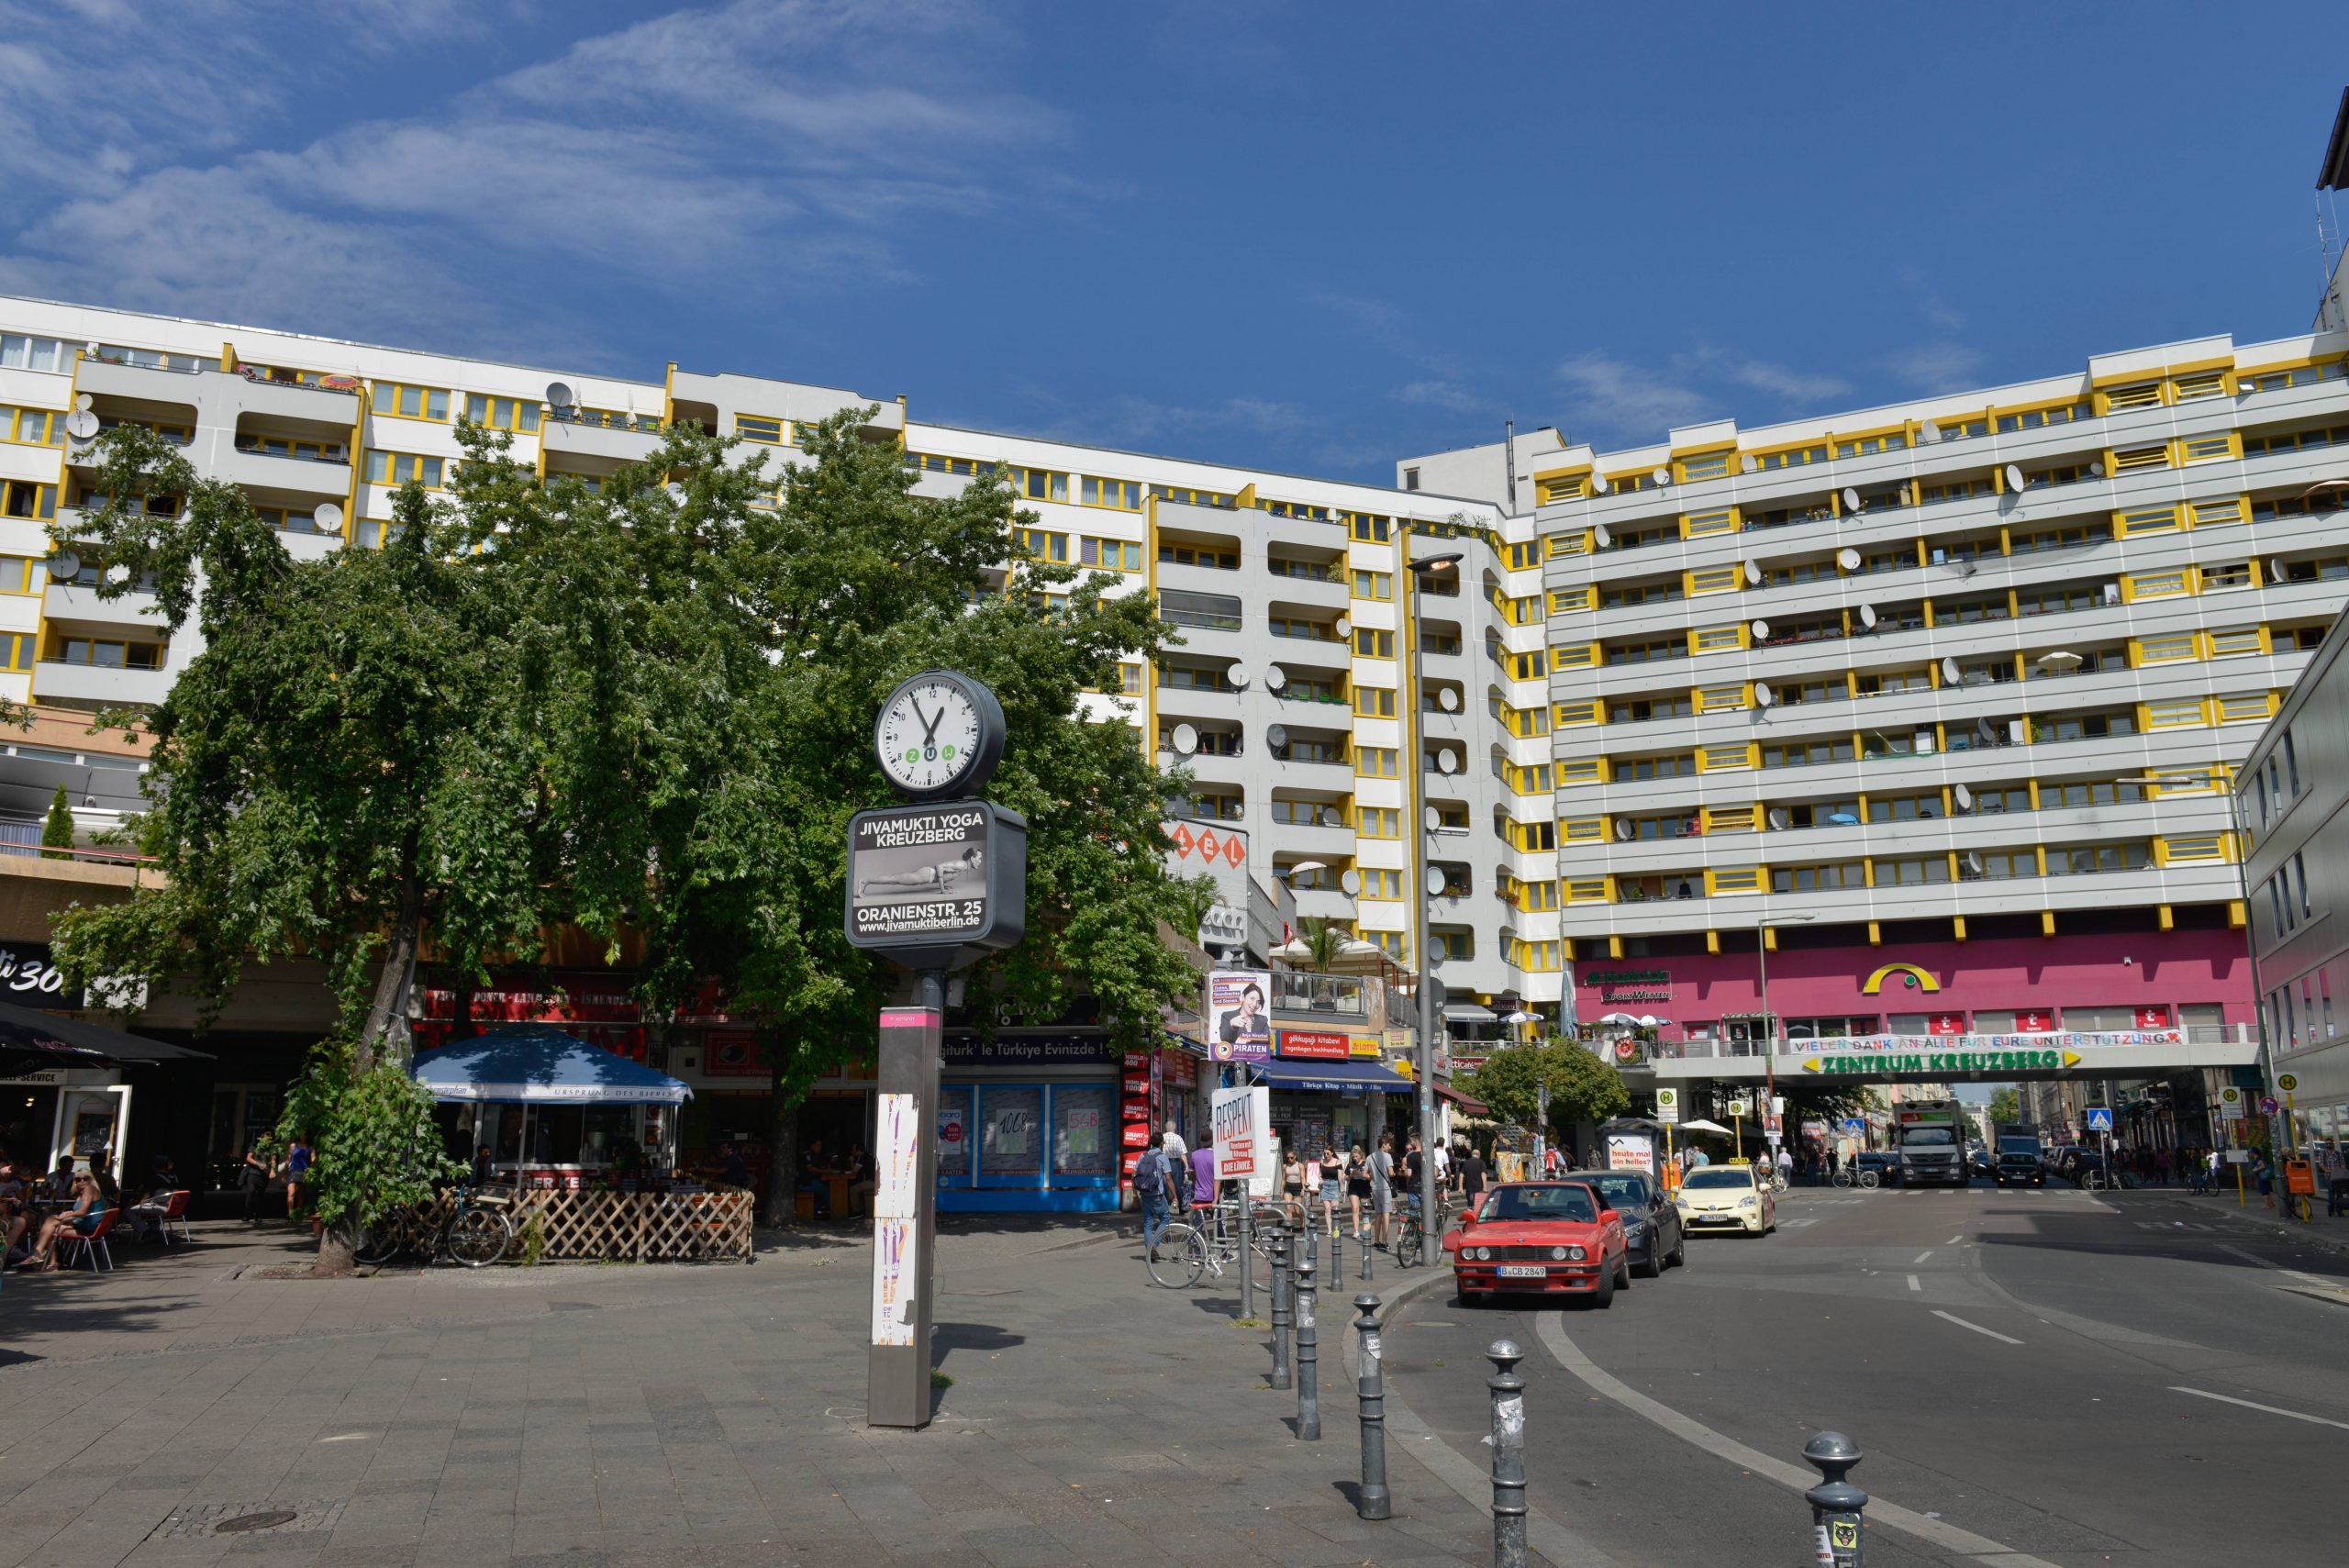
(1727, 1197)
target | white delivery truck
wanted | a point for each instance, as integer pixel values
(1930, 1147)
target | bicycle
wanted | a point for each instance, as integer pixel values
(1410, 1235)
(476, 1230)
(1187, 1251)
(1867, 1180)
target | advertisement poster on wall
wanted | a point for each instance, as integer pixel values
(1240, 1015)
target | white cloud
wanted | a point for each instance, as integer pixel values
(1779, 381)
(1608, 395)
(779, 136)
(1937, 367)
(1930, 305)
(1444, 394)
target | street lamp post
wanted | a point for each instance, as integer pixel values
(1423, 1055)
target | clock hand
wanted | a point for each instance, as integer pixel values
(930, 725)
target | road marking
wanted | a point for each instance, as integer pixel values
(2254, 1404)
(1952, 1241)
(1975, 1326)
(1794, 1477)
(1923, 1255)
(1914, 1284)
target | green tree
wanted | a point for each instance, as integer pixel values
(1582, 1087)
(344, 764)
(2006, 1104)
(57, 832)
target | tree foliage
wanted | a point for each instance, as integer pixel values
(375, 1147)
(1582, 1087)
(57, 828)
(2006, 1104)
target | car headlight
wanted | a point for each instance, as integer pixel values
(1480, 1252)
(1749, 1201)
(1576, 1253)
(1632, 1230)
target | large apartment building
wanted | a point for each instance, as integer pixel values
(1288, 700)
(1932, 711)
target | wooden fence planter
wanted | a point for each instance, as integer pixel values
(643, 1227)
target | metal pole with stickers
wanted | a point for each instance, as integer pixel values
(932, 887)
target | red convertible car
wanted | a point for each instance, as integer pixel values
(1556, 1238)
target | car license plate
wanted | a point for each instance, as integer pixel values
(1523, 1270)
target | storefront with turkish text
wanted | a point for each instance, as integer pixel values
(1029, 1121)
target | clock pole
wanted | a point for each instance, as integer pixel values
(932, 887)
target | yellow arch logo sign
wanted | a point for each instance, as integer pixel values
(1915, 978)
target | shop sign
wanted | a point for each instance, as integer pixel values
(1946, 1023)
(2152, 1018)
(1318, 1044)
(732, 1053)
(1630, 984)
(1025, 1050)
(1364, 1045)
(594, 1011)
(1182, 1069)
(1240, 1027)
(2035, 1020)
(28, 979)
(1939, 1062)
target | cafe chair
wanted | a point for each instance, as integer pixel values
(175, 1214)
(94, 1246)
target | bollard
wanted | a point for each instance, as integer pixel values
(1280, 1308)
(1362, 1245)
(1308, 1374)
(1835, 1503)
(1508, 1454)
(1247, 1258)
(1337, 1253)
(1372, 1502)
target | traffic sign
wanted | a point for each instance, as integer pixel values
(1668, 1106)
(2286, 1082)
(2268, 1105)
(1738, 1110)
(2230, 1104)
(2099, 1118)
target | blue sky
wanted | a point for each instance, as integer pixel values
(1307, 236)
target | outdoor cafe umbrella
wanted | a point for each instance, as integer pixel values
(1700, 1125)
(31, 1040)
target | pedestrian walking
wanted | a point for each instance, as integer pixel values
(1293, 1178)
(2262, 1176)
(1178, 1159)
(1471, 1166)
(1382, 1187)
(253, 1180)
(1154, 1193)
(1442, 1158)
(1332, 1171)
(1357, 1188)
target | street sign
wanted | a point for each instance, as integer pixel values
(1242, 1123)
(2286, 1082)
(2270, 1105)
(2230, 1104)
(2099, 1118)
(1738, 1110)
(1668, 1106)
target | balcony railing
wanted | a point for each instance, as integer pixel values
(1339, 996)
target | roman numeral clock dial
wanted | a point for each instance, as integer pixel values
(940, 734)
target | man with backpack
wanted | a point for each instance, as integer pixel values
(1155, 1192)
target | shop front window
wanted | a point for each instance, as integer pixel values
(1083, 1122)
(1010, 1135)
(954, 1132)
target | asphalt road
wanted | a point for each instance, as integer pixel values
(2014, 1364)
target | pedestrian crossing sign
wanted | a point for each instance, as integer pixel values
(2099, 1118)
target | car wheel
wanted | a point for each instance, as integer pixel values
(1679, 1248)
(1652, 1266)
(1604, 1296)
(1623, 1270)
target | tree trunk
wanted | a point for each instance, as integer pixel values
(387, 1030)
(337, 1249)
(781, 1203)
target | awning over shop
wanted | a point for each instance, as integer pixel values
(1468, 1013)
(1335, 1077)
(536, 1064)
(31, 1040)
(1472, 1107)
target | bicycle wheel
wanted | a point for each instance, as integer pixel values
(480, 1237)
(387, 1238)
(1408, 1241)
(1181, 1254)
(1870, 1180)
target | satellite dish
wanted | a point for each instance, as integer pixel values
(2276, 572)
(1848, 558)
(1761, 632)
(1435, 883)
(1351, 880)
(1448, 760)
(1238, 676)
(80, 424)
(2097, 468)
(64, 564)
(1752, 575)
(1950, 676)
(1600, 537)
(1623, 831)
(1448, 699)
(1748, 464)
(1973, 864)
(1851, 499)
(1867, 617)
(1663, 476)
(1345, 625)
(1433, 818)
(1987, 730)
(1275, 677)
(1276, 737)
(1763, 696)
(84, 400)
(328, 518)
(1931, 433)
(1598, 484)
(559, 392)
(2013, 477)
(1963, 797)
(1780, 818)
(1187, 739)
(674, 491)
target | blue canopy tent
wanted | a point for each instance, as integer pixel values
(546, 1104)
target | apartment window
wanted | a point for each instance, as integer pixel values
(2170, 649)
(1376, 762)
(1110, 554)
(2292, 764)
(2005, 865)
(1195, 678)
(2207, 448)
(1639, 710)
(2082, 793)
(1868, 445)
(1534, 838)
(1532, 666)
(1040, 544)
(21, 352)
(1373, 585)
(1794, 694)
(1378, 822)
(1999, 800)
(2300, 871)
(1039, 484)
(2236, 641)
(1181, 494)
(1297, 629)
(2087, 860)
(1814, 879)
(2144, 394)
(502, 413)
(1300, 510)
(1808, 753)
(34, 426)
(1197, 555)
(19, 574)
(23, 498)
(1793, 456)
(1634, 769)
(1914, 873)
(1309, 814)
(1522, 557)
(108, 655)
(1130, 679)
(1124, 494)
(2058, 539)
(403, 468)
(1376, 883)
(2084, 725)
(958, 467)
(412, 402)
(1370, 644)
(1647, 651)
(1954, 489)
(1374, 702)
(2048, 599)
(1905, 807)
(1893, 683)
(1627, 595)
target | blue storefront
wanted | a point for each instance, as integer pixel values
(1029, 1123)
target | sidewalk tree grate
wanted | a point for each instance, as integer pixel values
(268, 1519)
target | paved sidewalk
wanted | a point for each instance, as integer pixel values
(603, 1416)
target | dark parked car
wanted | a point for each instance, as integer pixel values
(1883, 1161)
(1979, 1162)
(2074, 1163)
(1652, 1229)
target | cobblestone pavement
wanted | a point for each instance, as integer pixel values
(595, 1417)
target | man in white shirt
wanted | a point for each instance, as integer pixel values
(1442, 1153)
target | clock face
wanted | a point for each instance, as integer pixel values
(928, 736)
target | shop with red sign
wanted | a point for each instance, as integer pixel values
(1314, 1045)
